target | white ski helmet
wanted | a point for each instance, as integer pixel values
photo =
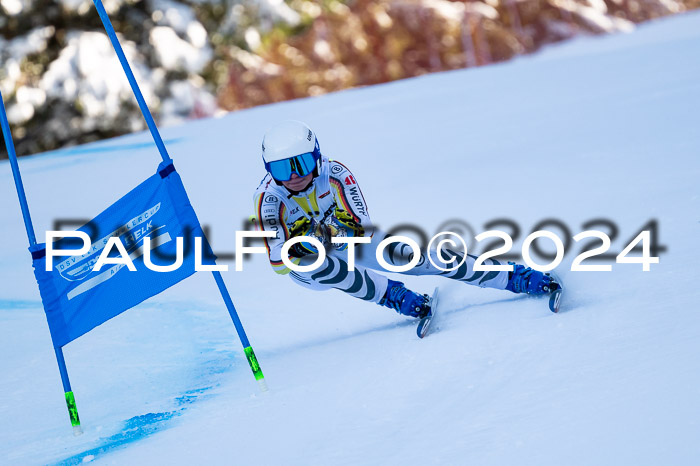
(290, 140)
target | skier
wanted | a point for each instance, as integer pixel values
(306, 194)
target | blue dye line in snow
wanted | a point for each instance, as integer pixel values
(135, 429)
(19, 304)
(113, 148)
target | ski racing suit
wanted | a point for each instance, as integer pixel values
(334, 198)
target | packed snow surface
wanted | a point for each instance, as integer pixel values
(597, 128)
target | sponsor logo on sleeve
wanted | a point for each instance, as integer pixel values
(357, 201)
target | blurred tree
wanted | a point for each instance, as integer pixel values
(197, 58)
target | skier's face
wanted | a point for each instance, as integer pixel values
(297, 183)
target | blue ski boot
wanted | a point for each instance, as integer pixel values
(405, 301)
(526, 280)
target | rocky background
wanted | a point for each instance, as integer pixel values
(63, 85)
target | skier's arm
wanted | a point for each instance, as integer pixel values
(270, 212)
(351, 208)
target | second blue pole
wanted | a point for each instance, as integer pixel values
(250, 355)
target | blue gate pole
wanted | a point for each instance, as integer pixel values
(10, 145)
(70, 398)
(250, 355)
(132, 80)
(247, 349)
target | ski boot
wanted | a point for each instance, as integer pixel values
(526, 280)
(405, 301)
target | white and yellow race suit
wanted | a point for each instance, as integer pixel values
(334, 199)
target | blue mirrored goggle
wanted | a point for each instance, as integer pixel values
(302, 165)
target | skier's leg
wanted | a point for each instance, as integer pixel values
(362, 283)
(521, 280)
(399, 253)
(333, 272)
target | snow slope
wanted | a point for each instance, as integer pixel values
(600, 127)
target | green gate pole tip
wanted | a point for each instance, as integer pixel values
(73, 412)
(253, 361)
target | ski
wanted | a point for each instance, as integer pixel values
(424, 323)
(556, 295)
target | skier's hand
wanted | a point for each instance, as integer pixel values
(348, 224)
(322, 232)
(325, 231)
